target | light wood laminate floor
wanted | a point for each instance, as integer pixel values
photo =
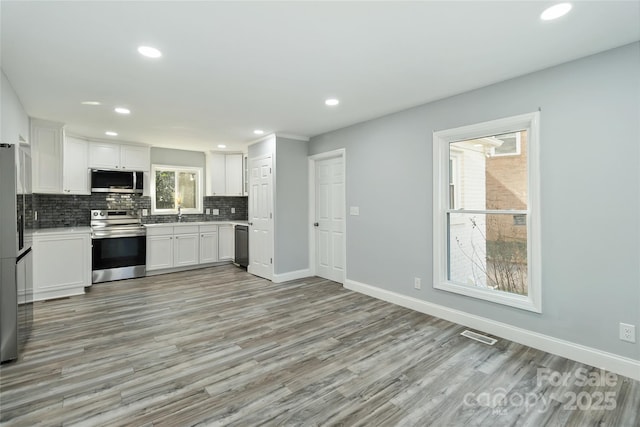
(219, 346)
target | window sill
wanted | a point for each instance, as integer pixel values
(523, 302)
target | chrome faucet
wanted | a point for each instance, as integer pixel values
(179, 213)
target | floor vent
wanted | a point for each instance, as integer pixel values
(482, 338)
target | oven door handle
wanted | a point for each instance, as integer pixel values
(97, 235)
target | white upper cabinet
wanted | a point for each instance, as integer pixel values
(46, 150)
(108, 155)
(217, 164)
(61, 163)
(75, 173)
(135, 157)
(104, 155)
(233, 174)
(224, 174)
(245, 174)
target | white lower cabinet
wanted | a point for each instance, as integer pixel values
(185, 246)
(226, 244)
(160, 249)
(208, 244)
(178, 246)
(61, 264)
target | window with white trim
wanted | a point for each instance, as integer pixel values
(486, 211)
(508, 145)
(174, 187)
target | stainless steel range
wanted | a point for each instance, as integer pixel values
(119, 245)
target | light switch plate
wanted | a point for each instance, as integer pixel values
(208, 211)
(216, 211)
(354, 210)
(145, 212)
(233, 210)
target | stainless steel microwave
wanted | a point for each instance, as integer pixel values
(111, 181)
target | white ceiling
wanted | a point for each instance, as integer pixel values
(231, 67)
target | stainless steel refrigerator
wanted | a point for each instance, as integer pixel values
(16, 269)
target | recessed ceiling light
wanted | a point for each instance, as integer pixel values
(332, 102)
(222, 146)
(91, 103)
(258, 131)
(111, 133)
(556, 11)
(122, 110)
(149, 52)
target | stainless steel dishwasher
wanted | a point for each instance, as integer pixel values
(242, 245)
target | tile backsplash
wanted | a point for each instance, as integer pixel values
(58, 210)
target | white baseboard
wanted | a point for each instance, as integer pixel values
(587, 355)
(291, 275)
(55, 292)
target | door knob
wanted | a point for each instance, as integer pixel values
(315, 224)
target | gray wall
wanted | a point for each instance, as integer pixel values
(590, 189)
(14, 120)
(169, 156)
(291, 206)
(262, 148)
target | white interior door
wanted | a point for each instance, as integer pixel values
(330, 218)
(261, 218)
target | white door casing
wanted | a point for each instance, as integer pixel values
(328, 233)
(261, 217)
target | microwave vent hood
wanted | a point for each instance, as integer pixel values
(116, 181)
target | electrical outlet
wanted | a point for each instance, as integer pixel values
(417, 283)
(215, 211)
(233, 210)
(208, 211)
(627, 332)
(145, 212)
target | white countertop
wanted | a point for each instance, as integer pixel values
(62, 230)
(87, 229)
(185, 223)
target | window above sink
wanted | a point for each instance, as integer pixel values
(176, 189)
